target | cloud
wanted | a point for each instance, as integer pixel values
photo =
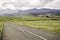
(28, 4)
(53, 5)
(7, 4)
(31, 3)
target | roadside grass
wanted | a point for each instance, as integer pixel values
(1, 27)
(38, 22)
(2, 20)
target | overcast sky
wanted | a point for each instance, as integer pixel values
(28, 4)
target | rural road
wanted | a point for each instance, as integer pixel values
(17, 32)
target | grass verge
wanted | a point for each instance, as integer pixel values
(1, 27)
(37, 22)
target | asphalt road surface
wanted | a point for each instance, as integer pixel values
(17, 32)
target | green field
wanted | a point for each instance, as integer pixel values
(1, 27)
(42, 23)
(3, 19)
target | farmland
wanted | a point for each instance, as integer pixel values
(42, 23)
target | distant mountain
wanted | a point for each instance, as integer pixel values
(34, 10)
(7, 11)
(41, 11)
(49, 10)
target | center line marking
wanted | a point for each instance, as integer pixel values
(32, 33)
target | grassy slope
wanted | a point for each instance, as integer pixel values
(39, 22)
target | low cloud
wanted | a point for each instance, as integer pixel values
(28, 4)
(53, 5)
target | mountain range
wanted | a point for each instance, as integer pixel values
(34, 10)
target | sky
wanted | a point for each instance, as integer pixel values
(29, 4)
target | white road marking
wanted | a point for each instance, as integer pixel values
(32, 33)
